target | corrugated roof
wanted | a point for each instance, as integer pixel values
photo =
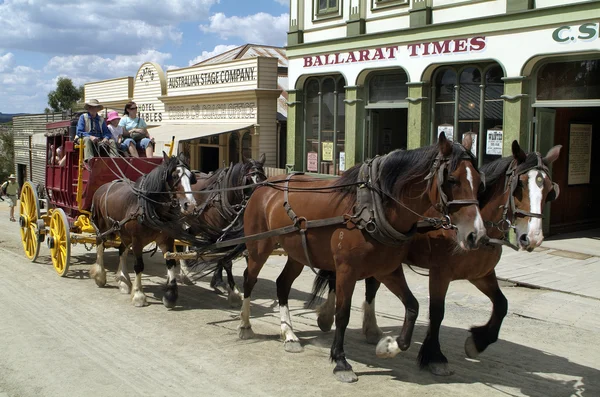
(249, 51)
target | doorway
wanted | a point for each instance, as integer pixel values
(577, 169)
(209, 158)
(387, 131)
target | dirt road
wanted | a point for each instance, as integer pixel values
(66, 337)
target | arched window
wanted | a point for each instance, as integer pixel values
(569, 80)
(445, 96)
(234, 147)
(388, 88)
(324, 128)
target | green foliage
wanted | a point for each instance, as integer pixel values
(7, 153)
(65, 96)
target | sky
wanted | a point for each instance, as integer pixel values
(41, 40)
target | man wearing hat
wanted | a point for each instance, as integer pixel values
(10, 188)
(92, 129)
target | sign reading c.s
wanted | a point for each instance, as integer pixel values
(586, 31)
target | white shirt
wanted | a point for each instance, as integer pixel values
(115, 131)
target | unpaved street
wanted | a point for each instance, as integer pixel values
(66, 337)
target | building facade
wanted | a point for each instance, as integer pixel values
(219, 111)
(370, 76)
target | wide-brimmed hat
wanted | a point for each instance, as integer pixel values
(12, 176)
(112, 116)
(93, 103)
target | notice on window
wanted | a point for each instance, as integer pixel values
(580, 153)
(312, 161)
(447, 129)
(327, 151)
(493, 145)
(474, 139)
(342, 161)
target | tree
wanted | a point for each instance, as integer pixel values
(7, 153)
(65, 96)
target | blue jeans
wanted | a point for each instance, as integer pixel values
(143, 144)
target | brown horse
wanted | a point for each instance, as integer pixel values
(149, 210)
(218, 212)
(517, 188)
(407, 182)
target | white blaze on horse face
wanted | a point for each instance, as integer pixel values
(254, 179)
(534, 225)
(478, 224)
(185, 178)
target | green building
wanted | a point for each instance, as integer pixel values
(370, 76)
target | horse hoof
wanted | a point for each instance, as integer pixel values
(124, 288)
(183, 279)
(373, 336)
(139, 299)
(246, 333)
(293, 346)
(169, 304)
(470, 348)
(324, 323)
(98, 275)
(440, 369)
(387, 348)
(234, 299)
(347, 376)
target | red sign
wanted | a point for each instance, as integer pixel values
(312, 161)
(450, 46)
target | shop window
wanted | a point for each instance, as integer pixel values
(247, 145)
(462, 92)
(234, 147)
(569, 80)
(389, 88)
(324, 128)
(445, 96)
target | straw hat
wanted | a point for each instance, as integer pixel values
(113, 115)
(12, 176)
(93, 103)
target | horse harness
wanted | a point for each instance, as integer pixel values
(369, 211)
(512, 182)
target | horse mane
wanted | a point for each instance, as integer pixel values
(496, 171)
(155, 181)
(400, 167)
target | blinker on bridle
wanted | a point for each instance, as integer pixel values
(439, 166)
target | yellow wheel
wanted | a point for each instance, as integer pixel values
(29, 214)
(59, 242)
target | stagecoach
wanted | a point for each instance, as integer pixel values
(63, 218)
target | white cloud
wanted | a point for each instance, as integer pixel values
(283, 2)
(112, 27)
(6, 62)
(25, 89)
(221, 48)
(261, 28)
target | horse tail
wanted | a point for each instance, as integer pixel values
(323, 280)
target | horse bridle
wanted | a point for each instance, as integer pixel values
(439, 167)
(512, 182)
(172, 190)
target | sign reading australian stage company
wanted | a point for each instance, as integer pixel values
(225, 76)
(425, 49)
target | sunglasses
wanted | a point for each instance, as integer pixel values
(134, 108)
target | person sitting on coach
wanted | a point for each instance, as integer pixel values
(92, 130)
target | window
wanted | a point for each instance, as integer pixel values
(324, 126)
(247, 145)
(388, 88)
(327, 6)
(234, 147)
(569, 80)
(459, 96)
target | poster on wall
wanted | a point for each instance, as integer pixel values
(580, 153)
(493, 145)
(327, 151)
(312, 160)
(474, 139)
(447, 129)
(342, 161)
